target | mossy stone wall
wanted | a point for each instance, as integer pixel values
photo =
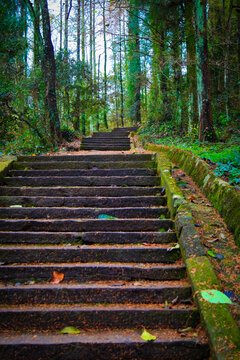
(222, 195)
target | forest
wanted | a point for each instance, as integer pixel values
(72, 67)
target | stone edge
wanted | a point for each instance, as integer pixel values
(222, 195)
(221, 328)
(6, 164)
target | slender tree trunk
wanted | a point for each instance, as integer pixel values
(49, 72)
(61, 26)
(120, 72)
(105, 68)
(191, 65)
(134, 66)
(76, 122)
(228, 24)
(206, 130)
(36, 49)
(83, 118)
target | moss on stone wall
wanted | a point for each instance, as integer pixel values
(222, 195)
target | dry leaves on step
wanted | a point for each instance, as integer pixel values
(57, 277)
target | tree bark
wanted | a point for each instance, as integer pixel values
(49, 72)
(191, 65)
(206, 130)
(134, 65)
(105, 67)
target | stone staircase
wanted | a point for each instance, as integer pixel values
(121, 274)
(115, 140)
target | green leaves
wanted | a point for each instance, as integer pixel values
(70, 330)
(146, 336)
(215, 297)
(106, 217)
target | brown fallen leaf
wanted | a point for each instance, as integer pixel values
(57, 277)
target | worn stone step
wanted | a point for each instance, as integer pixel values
(105, 316)
(105, 148)
(151, 292)
(132, 225)
(104, 345)
(90, 238)
(89, 172)
(107, 140)
(84, 254)
(97, 202)
(82, 213)
(149, 164)
(83, 181)
(87, 158)
(82, 191)
(91, 272)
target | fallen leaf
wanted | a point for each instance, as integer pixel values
(146, 336)
(57, 277)
(163, 192)
(210, 253)
(182, 183)
(173, 247)
(191, 198)
(215, 297)
(15, 206)
(70, 330)
(106, 217)
(188, 329)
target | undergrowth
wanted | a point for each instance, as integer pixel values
(223, 156)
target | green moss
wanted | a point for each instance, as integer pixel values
(222, 195)
(223, 332)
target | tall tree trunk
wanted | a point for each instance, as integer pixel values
(49, 72)
(191, 65)
(36, 49)
(83, 118)
(206, 130)
(76, 122)
(120, 73)
(105, 67)
(134, 65)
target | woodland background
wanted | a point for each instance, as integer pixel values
(170, 66)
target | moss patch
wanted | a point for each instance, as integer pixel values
(5, 164)
(223, 333)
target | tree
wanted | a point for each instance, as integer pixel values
(134, 65)
(206, 130)
(49, 72)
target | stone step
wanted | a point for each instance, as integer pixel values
(75, 192)
(85, 254)
(87, 158)
(109, 140)
(87, 172)
(97, 317)
(82, 213)
(105, 148)
(104, 345)
(84, 164)
(88, 201)
(71, 225)
(112, 292)
(91, 272)
(83, 181)
(89, 238)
